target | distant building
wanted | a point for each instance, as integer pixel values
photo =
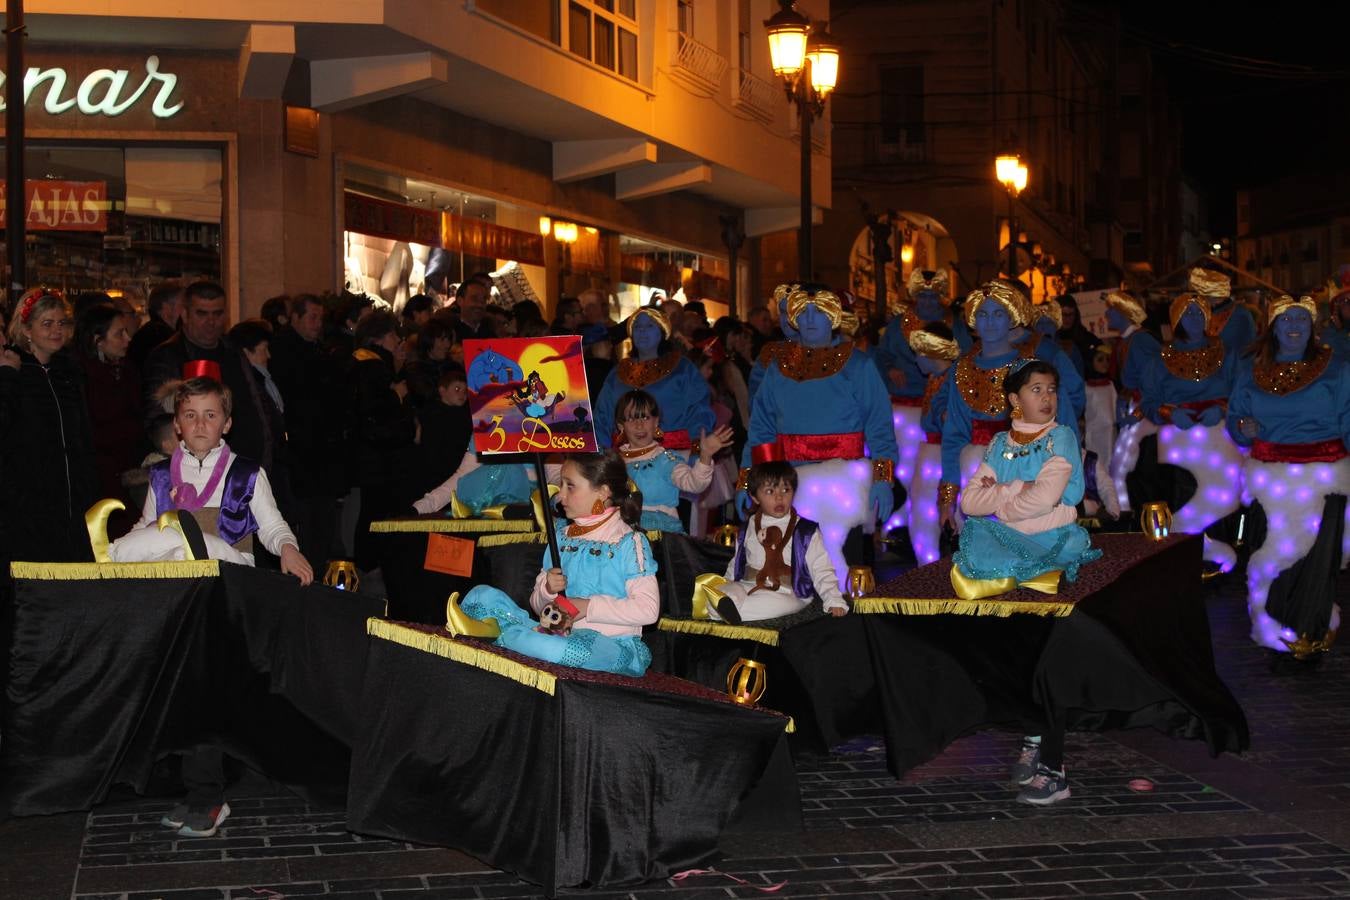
(1295, 232)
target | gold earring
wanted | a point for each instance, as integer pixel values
(597, 507)
(1016, 410)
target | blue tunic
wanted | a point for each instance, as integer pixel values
(682, 396)
(894, 352)
(1239, 332)
(653, 478)
(1339, 341)
(495, 483)
(990, 549)
(851, 400)
(1162, 387)
(1319, 411)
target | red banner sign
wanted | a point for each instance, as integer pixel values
(394, 221)
(529, 395)
(61, 205)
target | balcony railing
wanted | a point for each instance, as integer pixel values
(757, 97)
(697, 64)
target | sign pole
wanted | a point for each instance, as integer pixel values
(541, 478)
(16, 214)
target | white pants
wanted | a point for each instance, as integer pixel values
(1209, 454)
(909, 438)
(149, 544)
(924, 531)
(762, 604)
(835, 495)
(1126, 455)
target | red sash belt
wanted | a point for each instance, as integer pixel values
(677, 440)
(982, 431)
(932, 438)
(810, 448)
(907, 401)
(1197, 406)
(1318, 451)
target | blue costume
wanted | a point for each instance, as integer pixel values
(991, 549)
(1233, 324)
(679, 390)
(894, 352)
(660, 477)
(596, 569)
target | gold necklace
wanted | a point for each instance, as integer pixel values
(634, 454)
(1019, 437)
(579, 530)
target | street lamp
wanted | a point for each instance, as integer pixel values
(808, 64)
(1012, 173)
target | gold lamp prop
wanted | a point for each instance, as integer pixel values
(861, 581)
(726, 536)
(1156, 520)
(342, 574)
(747, 681)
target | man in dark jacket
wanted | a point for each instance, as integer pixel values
(203, 338)
(314, 390)
(166, 308)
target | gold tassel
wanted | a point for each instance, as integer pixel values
(462, 652)
(41, 571)
(720, 629)
(501, 540)
(916, 606)
(449, 526)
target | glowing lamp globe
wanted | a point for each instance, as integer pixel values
(1005, 168)
(824, 55)
(787, 31)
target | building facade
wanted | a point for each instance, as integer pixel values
(1295, 232)
(931, 91)
(391, 146)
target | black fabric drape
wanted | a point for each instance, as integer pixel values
(596, 785)
(1302, 595)
(1152, 480)
(107, 676)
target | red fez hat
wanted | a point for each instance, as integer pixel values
(201, 368)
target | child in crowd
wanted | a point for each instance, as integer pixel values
(661, 474)
(165, 440)
(230, 497)
(1022, 531)
(446, 429)
(605, 581)
(780, 561)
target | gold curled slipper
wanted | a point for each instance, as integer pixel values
(461, 624)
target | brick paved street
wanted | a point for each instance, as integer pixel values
(1273, 823)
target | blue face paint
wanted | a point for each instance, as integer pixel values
(646, 335)
(1293, 328)
(992, 324)
(1046, 326)
(930, 367)
(928, 306)
(1117, 319)
(1192, 322)
(815, 327)
(784, 325)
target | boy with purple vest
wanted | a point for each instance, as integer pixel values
(229, 496)
(780, 561)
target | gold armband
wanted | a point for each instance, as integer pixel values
(947, 494)
(883, 470)
(743, 480)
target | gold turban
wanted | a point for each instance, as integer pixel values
(930, 280)
(797, 299)
(1208, 283)
(1283, 303)
(1178, 309)
(1131, 308)
(657, 316)
(925, 343)
(1051, 309)
(1002, 292)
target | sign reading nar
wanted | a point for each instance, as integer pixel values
(61, 205)
(529, 395)
(103, 92)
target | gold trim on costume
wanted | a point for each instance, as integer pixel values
(1193, 365)
(462, 652)
(639, 373)
(921, 606)
(982, 389)
(1286, 377)
(801, 363)
(49, 571)
(449, 526)
(765, 636)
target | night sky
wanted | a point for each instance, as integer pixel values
(1265, 90)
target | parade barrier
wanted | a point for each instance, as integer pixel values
(1127, 645)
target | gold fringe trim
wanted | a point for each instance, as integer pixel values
(914, 606)
(43, 571)
(501, 540)
(462, 652)
(449, 526)
(720, 629)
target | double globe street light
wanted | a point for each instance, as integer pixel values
(807, 61)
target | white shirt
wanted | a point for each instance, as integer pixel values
(817, 560)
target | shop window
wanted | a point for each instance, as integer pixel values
(132, 216)
(604, 32)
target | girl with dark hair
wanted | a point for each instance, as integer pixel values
(603, 590)
(113, 396)
(1022, 531)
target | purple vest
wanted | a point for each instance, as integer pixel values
(235, 520)
(802, 585)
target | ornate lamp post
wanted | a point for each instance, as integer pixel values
(1012, 174)
(808, 64)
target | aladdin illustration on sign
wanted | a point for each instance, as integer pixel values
(528, 395)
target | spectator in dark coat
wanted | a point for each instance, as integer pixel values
(113, 395)
(47, 477)
(166, 309)
(471, 299)
(434, 343)
(446, 432)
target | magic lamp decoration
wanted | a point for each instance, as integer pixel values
(747, 681)
(1156, 520)
(341, 574)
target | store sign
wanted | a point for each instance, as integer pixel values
(61, 205)
(379, 218)
(103, 92)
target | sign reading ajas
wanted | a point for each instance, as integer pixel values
(103, 92)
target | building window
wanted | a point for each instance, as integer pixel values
(901, 131)
(685, 17)
(604, 32)
(745, 31)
